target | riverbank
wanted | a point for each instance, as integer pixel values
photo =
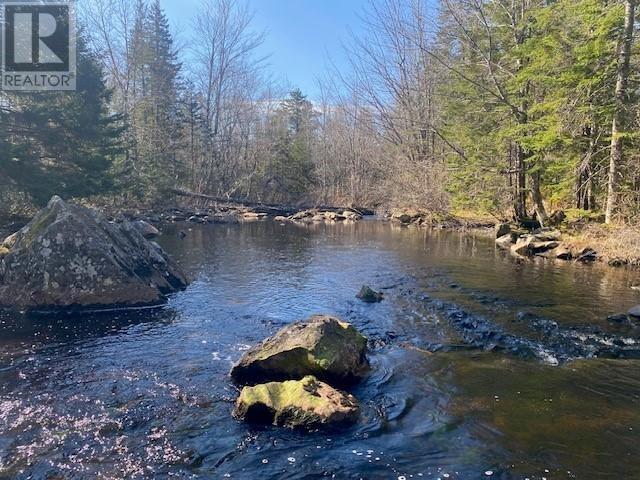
(615, 245)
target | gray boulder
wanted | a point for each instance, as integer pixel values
(71, 257)
(530, 245)
(323, 346)
(587, 255)
(505, 241)
(634, 312)
(147, 230)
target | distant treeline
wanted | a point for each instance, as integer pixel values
(507, 107)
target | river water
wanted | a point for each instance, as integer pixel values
(483, 366)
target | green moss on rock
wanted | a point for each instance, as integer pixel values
(296, 403)
(323, 346)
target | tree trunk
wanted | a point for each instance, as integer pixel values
(538, 203)
(584, 175)
(520, 193)
(617, 127)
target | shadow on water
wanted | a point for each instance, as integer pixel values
(462, 385)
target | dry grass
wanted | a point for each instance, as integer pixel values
(614, 243)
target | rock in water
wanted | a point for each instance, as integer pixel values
(502, 229)
(367, 294)
(305, 403)
(71, 257)
(634, 312)
(323, 346)
(505, 241)
(531, 245)
(10, 240)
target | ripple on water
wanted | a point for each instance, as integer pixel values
(147, 394)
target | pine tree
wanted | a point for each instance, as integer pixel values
(155, 114)
(289, 171)
(61, 143)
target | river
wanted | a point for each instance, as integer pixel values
(483, 366)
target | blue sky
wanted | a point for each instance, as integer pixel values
(300, 34)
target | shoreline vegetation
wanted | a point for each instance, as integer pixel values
(465, 112)
(613, 245)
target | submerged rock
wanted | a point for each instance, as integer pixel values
(367, 294)
(323, 346)
(71, 257)
(620, 319)
(303, 403)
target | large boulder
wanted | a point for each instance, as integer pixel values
(305, 403)
(323, 346)
(530, 245)
(406, 216)
(71, 257)
(147, 230)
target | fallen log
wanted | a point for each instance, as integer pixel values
(270, 209)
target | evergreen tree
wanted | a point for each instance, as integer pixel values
(61, 142)
(289, 171)
(155, 114)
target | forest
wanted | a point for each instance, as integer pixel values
(506, 108)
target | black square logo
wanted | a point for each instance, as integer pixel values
(38, 40)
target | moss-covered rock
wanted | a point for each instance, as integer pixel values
(306, 403)
(367, 294)
(323, 346)
(71, 257)
(10, 240)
